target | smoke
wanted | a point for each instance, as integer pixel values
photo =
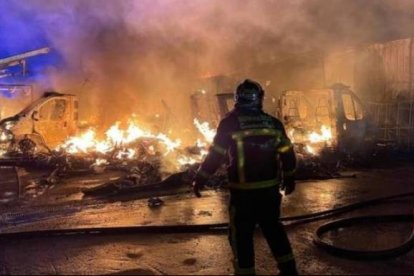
(145, 57)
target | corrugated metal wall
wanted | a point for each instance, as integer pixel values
(397, 65)
(381, 74)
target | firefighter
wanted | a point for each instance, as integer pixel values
(254, 145)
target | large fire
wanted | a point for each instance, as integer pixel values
(121, 142)
(116, 137)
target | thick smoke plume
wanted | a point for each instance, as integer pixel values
(146, 56)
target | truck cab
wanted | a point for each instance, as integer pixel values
(43, 124)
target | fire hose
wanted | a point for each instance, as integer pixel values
(406, 246)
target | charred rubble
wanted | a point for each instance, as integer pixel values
(147, 172)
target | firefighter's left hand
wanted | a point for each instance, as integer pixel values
(198, 184)
(196, 188)
(288, 185)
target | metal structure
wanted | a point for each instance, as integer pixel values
(394, 122)
(19, 59)
(382, 73)
(395, 117)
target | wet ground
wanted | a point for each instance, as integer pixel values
(198, 253)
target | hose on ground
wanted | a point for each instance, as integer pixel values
(403, 248)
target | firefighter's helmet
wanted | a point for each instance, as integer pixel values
(249, 94)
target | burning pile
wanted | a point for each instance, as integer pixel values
(136, 144)
(118, 141)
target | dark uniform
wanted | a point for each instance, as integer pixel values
(253, 142)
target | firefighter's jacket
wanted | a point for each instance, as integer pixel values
(251, 143)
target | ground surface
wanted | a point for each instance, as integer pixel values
(206, 253)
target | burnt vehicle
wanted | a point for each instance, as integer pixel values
(333, 117)
(315, 119)
(43, 124)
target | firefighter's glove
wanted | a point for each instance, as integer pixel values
(198, 184)
(288, 185)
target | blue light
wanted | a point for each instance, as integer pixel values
(20, 32)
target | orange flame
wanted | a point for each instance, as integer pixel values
(205, 130)
(115, 136)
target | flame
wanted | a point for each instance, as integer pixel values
(170, 144)
(314, 141)
(3, 137)
(101, 162)
(325, 135)
(151, 150)
(126, 154)
(291, 135)
(310, 150)
(116, 137)
(187, 160)
(205, 130)
(120, 142)
(103, 147)
(83, 143)
(316, 138)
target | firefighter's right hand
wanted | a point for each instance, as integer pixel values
(288, 185)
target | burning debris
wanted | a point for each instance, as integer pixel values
(144, 157)
(146, 167)
(122, 144)
(205, 130)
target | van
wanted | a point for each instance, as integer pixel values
(44, 124)
(336, 108)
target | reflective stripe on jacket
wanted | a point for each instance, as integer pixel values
(251, 142)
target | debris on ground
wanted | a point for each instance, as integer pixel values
(155, 202)
(205, 213)
(327, 164)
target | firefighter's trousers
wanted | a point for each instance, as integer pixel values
(247, 209)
